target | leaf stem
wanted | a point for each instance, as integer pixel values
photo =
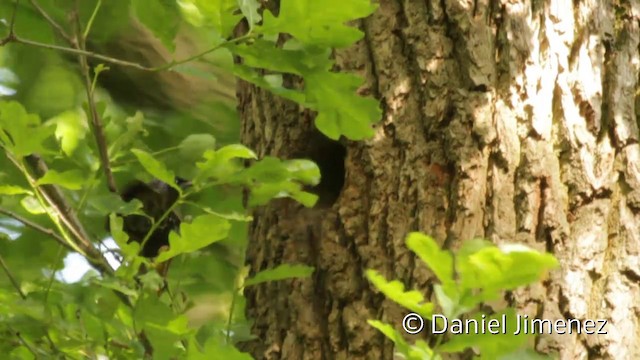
(231, 310)
(93, 16)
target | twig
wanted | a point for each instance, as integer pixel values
(11, 36)
(52, 22)
(111, 60)
(156, 224)
(13, 280)
(35, 226)
(12, 22)
(53, 275)
(96, 122)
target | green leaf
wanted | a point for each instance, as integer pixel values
(394, 290)
(204, 230)
(156, 168)
(319, 22)
(305, 198)
(135, 129)
(235, 151)
(32, 205)
(159, 16)
(526, 354)
(129, 249)
(305, 171)
(391, 334)
(216, 349)
(273, 178)
(449, 306)
(272, 83)
(421, 350)
(21, 132)
(194, 146)
(115, 284)
(491, 345)
(439, 261)
(341, 111)
(219, 14)
(491, 268)
(151, 280)
(112, 203)
(222, 164)
(14, 190)
(72, 179)
(249, 9)
(281, 272)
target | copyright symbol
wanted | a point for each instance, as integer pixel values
(412, 323)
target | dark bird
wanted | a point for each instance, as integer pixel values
(157, 198)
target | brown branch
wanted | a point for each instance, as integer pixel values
(35, 226)
(96, 123)
(97, 127)
(54, 197)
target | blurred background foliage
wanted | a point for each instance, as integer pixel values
(156, 111)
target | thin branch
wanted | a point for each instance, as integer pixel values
(13, 280)
(57, 201)
(97, 127)
(11, 36)
(52, 22)
(110, 60)
(156, 224)
(96, 123)
(12, 22)
(53, 275)
(35, 226)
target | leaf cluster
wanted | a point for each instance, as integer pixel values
(476, 274)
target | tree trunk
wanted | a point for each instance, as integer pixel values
(510, 121)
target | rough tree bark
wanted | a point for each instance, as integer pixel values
(511, 121)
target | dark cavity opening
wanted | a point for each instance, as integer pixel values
(330, 156)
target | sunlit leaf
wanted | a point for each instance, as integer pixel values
(20, 132)
(13, 190)
(156, 168)
(202, 231)
(319, 22)
(394, 290)
(72, 179)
